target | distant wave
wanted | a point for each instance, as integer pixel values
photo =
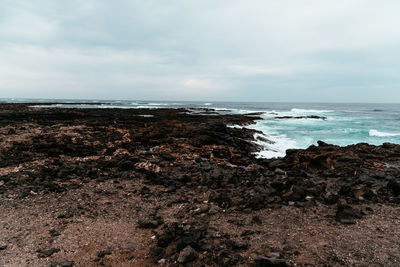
(207, 104)
(221, 109)
(299, 110)
(157, 104)
(382, 134)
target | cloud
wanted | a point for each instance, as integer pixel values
(273, 50)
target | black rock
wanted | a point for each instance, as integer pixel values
(148, 223)
(394, 185)
(54, 233)
(262, 261)
(62, 263)
(157, 253)
(102, 253)
(188, 254)
(228, 258)
(48, 252)
(346, 214)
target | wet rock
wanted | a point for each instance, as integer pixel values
(301, 117)
(262, 261)
(188, 254)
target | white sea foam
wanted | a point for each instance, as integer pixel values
(382, 134)
(155, 107)
(146, 116)
(299, 110)
(207, 104)
(157, 104)
(274, 146)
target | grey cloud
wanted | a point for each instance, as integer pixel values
(210, 50)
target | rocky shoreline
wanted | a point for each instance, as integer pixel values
(140, 187)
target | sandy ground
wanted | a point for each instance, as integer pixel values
(108, 221)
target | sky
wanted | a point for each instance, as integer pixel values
(206, 50)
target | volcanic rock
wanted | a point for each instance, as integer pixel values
(262, 261)
(187, 254)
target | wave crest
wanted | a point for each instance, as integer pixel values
(300, 110)
(382, 134)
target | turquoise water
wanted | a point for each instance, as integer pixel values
(345, 124)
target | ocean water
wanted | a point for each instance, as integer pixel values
(344, 123)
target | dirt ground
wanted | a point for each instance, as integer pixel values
(108, 221)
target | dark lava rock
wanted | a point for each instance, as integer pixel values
(54, 233)
(148, 223)
(48, 252)
(188, 254)
(262, 261)
(62, 263)
(228, 258)
(394, 185)
(103, 253)
(157, 253)
(346, 214)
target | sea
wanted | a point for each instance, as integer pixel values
(285, 125)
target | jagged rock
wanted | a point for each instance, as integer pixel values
(62, 263)
(346, 214)
(188, 254)
(148, 223)
(262, 261)
(157, 253)
(47, 252)
(394, 185)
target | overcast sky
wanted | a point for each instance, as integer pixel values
(255, 50)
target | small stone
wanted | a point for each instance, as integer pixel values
(394, 185)
(62, 263)
(188, 254)
(3, 247)
(279, 171)
(214, 209)
(48, 252)
(54, 233)
(346, 214)
(148, 223)
(103, 253)
(130, 246)
(262, 261)
(162, 261)
(256, 219)
(157, 253)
